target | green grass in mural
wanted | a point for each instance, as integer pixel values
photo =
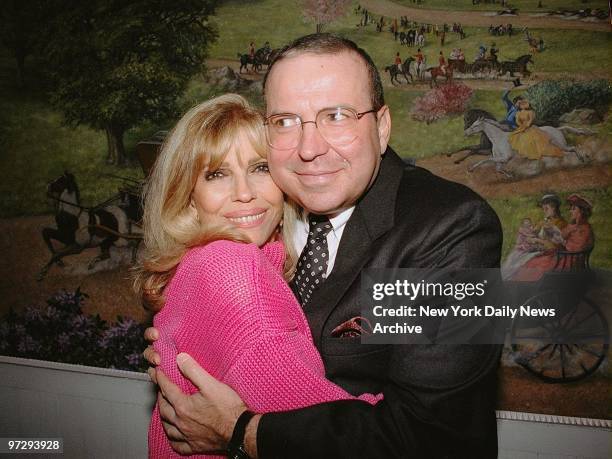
(417, 139)
(522, 5)
(566, 50)
(36, 147)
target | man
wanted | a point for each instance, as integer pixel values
(493, 52)
(442, 63)
(252, 50)
(420, 62)
(438, 400)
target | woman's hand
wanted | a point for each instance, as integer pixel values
(151, 334)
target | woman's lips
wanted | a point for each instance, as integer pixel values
(246, 218)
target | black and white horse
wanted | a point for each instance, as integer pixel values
(78, 228)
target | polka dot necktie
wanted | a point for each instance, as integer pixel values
(312, 265)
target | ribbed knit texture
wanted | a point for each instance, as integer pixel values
(229, 307)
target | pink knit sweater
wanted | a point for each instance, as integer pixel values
(230, 309)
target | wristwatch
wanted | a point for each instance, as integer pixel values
(235, 447)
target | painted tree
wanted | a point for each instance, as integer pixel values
(21, 22)
(322, 12)
(116, 63)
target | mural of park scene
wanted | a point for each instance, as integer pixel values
(511, 98)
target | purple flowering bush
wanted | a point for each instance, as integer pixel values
(61, 332)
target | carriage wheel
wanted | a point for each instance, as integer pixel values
(565, 348)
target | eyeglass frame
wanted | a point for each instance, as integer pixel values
(358, 116)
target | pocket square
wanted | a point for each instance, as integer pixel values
(352, 328)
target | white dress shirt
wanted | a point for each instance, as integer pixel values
(333, 237)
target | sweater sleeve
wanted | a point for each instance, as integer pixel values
(234, 314)
(239, 319)
(272, 363)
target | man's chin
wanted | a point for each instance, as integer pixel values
(322, 207)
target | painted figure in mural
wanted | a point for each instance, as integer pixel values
(442, 63)
(481, 53)
(398, 62)
(384, 213)
(511, 109)
(420, 63)
(223, 283)
(576, 237)
(493, 52)
(534, 240)
(528, 140)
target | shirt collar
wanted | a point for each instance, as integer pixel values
(337, 221)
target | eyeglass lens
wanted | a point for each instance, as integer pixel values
(338, 126)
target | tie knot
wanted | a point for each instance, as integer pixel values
(319, 226)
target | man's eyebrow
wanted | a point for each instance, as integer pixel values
(329, 107)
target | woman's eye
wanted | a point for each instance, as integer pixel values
(263, 167)
(214, 175)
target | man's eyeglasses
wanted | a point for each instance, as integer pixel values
(338, 126)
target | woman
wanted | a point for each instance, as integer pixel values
(533, 240)
(530, 141)
(576, 237)
(215, 262)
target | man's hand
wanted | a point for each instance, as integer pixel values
(202, 422)
(151, 335)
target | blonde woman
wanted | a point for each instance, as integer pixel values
(528, 140)
(215, 269)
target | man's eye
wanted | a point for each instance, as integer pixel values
(285, 122)
(214, 175)
(335, 117)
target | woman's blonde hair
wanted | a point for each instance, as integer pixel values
(201, 139)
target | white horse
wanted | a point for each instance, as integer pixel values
(502, 151)
(420, 40)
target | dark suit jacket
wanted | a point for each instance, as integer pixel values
(439, 399)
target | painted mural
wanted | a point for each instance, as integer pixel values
(511, 98)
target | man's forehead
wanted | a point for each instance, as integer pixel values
(327, 73)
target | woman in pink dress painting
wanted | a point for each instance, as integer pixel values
(215, 267)
(577, 237)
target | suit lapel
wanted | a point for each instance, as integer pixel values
(373, 216)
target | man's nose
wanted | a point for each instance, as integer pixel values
(244, 189)
(313, 144)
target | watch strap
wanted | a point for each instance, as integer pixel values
(235, 447)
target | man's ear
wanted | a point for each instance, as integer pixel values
(384, 127)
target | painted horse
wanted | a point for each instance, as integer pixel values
(78, 227)
(518, 65)
(436, 72)
(394, 71)
(501, 150)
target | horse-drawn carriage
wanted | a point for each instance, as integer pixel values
(573, 343)
(493, 67)
(116, 222)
